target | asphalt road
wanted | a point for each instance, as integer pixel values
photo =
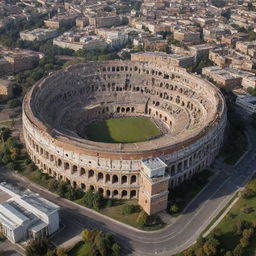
(169, 240)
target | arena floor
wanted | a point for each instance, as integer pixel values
(122, 130)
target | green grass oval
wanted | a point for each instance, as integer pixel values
(122, 130)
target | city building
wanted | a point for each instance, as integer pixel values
(38, 34)
(247, 103)
(78, 40)
(222, 77)
(179, 60)
(5, 89)
(25, 215)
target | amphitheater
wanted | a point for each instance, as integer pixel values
(190, 111)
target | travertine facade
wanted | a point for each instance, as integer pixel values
(190, 110)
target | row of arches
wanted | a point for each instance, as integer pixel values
(125, 109)
(114, 193)
(89, 174)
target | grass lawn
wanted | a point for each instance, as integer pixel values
(80, 249)
(122, 130)
(115, 212)
(228, 239)
(7, 123)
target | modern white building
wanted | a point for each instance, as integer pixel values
(247, 103)
(26, 215)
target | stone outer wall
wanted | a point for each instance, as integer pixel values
(190, 109)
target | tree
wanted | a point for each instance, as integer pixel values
(244, 242)
(211, 247)
(61, 252)
(86, 235)
(100, 243)
(248, 233)
(88, 198)
(238, 251)
(5, 133)
(142, 219)
(200, 252)
(53, 185)
(116, 249)
(70, 194)
(37, 247)
(61, 189)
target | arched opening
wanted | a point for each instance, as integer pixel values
(107, 178)
(118, 110)
(66, 166)
(123, 110)
(124, 179)
(124, 193)
(101, 191)
(100, 176)
(74, 184)
(133, 179)
(128, 109)
(59, 162)
(133, 194)
(133, 109)
(83, 187)
(74, 169)
(82, 171)
(92, 187)
(115, 179)
(91, 174)
(108, 193)
(115, 193)
(50, 171)
(51, 158)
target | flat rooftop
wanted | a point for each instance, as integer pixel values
(164, 55)
(154, 163)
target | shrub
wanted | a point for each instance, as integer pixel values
(174, 209)
(247, 193)
(128, 209)
(109, 203)
(238, 251)
(247, 210)
(14, 103)
(244, 242)
(248, 233)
